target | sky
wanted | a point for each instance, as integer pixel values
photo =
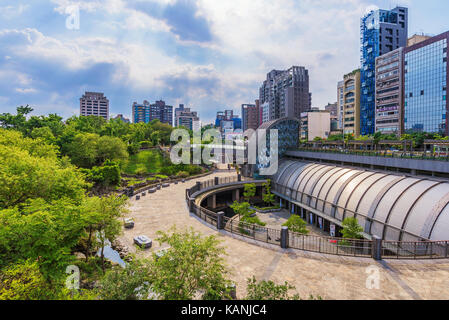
(209, 55)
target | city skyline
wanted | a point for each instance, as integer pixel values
(204, 67)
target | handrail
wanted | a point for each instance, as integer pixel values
(425, 249)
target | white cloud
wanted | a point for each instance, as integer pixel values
(26, 90)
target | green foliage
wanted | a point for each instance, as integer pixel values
(101, 220)
(89, 149)
(296, 224)
(130, 283)
(268, 197)
(182, 174)
(42, 231)
(31, 169)
(242, 208)
(252, 220)
(268, 290)
(193, 265)
(146, 162)
(44, 133)
(249, 191)
(24, 281)
(351, 229)
(106, 175)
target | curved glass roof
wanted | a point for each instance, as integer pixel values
(390, 206)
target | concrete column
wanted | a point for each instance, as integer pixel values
(284, 237)
(220, 220)
(413, 172)
(236, 195)
(191, 200)
(377, 248)
(212, 201)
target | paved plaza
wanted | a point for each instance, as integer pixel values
(331, 277)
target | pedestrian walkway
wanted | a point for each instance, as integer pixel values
(331, 277)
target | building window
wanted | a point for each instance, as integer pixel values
(422, 92)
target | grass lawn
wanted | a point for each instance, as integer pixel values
(147, 161)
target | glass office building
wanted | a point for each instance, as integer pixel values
(381, 31)
(425, 86)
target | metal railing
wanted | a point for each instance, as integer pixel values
(415, 249)
(417, 155)
(328, 245)
(253, 231)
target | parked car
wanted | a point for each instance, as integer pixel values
(143, 241)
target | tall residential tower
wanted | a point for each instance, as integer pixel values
(285, 93)
(94, 104)
(381, 31)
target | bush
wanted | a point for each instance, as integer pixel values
(296, 224)
(182, 174)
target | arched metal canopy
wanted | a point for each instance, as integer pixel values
(393, 207)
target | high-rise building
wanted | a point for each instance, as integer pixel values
(159, 110)
(187, 118)
(340, 102)
(285, 93)
(315, 123)
(351, 103)
(94, 104)
(389, 75)
(122, 118)
(226, 115)
(141, 112)
(147, 112)
(333, 110)
(417, 38)
(381, 31)
(425, 86)
(177, 112)
(250, 116)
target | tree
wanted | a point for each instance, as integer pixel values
(192, 267)
(89, 149)
(102, 216)
(44, 133)
(31, 169)
(24, 281)
(83, 150)
(296, 224)
(130, 283)
(242, 208)
(268, 290)
(17, 122)
(249, 191)
(268, 197)
(111, 148)
(351, 229)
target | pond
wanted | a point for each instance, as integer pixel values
(111, 254)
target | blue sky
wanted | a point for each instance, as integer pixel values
(207, 54)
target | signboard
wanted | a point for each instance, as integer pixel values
(332, 230)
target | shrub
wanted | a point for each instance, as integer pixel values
(182, 174)
(296, 224)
